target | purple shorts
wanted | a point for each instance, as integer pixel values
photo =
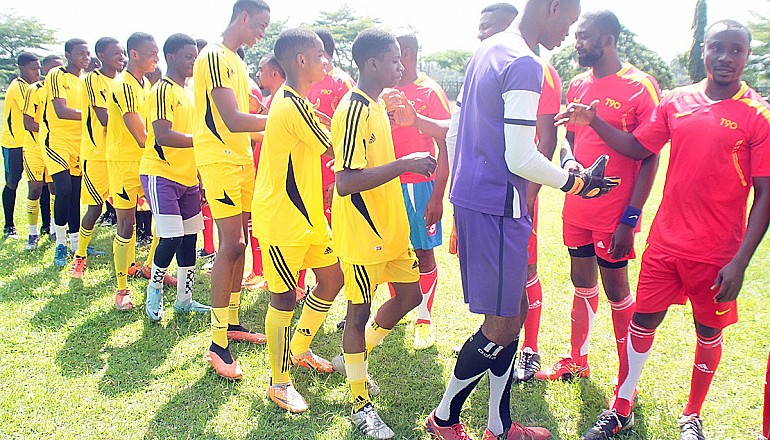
(493, 261)
(176, 208)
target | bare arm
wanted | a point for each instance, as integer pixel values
(350, 181)
(235, 120)
(135, 126)
(30, 124)
(623, 239)
(101, 115)
(64, 112)
(167, 137)
(434, 210)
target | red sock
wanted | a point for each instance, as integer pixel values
(208, 229)
(428, 283)
(584, 306)
(532, 323)
(766, 412)
(256, 257)
(301, 280)
(622, 311)
(632, 361)
(390, 289)
(708, 353)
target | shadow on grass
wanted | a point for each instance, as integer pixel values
(64, 305)
(595, 402)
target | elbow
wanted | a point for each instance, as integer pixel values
(342, 185)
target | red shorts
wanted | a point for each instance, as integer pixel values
(575, 237)
(532, 243)
(665, 280)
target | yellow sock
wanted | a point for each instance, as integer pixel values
(277, 328)
(219, 326)
(313, 315)
(153, 246)
(235, 305)
(131, 256)
(355, 368)
(33, 210)
(120, 252)
(374, 335)
(83, 241)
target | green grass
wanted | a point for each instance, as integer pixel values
(73, 367)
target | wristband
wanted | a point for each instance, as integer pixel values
(630, 216)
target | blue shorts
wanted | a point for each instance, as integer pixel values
(493, 261)
(416, 196)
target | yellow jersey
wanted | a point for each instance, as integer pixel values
(94, 140)
(127, 95)
(13, 114)
(33, 107)
(171, 102)
(369, 227)
(56, 132)
(287, 190)
(219, 67)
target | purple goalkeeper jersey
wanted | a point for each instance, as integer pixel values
(502, 68)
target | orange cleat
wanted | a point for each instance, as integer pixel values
(565, 369)
(239, 333)
(310, 361)
(254, 282)
(123, 300)
(287, 397)
(78, 267)
(228, 371)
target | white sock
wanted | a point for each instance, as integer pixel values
(74, 239)
(61, 235)
(184, 287)
(34, 229)
(157, 275)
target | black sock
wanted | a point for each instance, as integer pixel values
(9, 202)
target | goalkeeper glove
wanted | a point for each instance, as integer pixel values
(590, 182)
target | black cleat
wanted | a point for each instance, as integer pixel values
(607, 425)
(690, 428)
(528, 365)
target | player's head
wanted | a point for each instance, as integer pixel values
(496, 18)
(29, 66)
(378, 57)
(328, 41)
(142, 52)
(300, 52)
(726, 50)
(110, 53)
(200, 43)
(550, 20)
(597, 32)
(409, 48)
(77, 54)
(250, 20)
(180, 52)
(154, 76)
(270, 74)
(50, 62)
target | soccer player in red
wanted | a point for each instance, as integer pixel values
(599, 234)
(700, 242)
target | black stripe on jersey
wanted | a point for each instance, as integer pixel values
(358, 202)
(54, 156)
(90, 89)
(130, 104)
(90, 129)
(10, 125)
(159, 150)
(45, 121)
(27, 171)
(525, 122)
(281, 267)
(90, 185)
(55, 83)
(214, 71)
(308, 117)
(209, 118)
(292, 190)
(362, 280)
(164, 88)
(351, 132)
(115, 99)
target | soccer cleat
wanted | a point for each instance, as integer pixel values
(300, 295)
(203, 254)
(338, 364)
(287, 397)
(153, 304)
(60, 256)
(207, 266)
(690, 428)
(92, 252)
(108, 219)
(518, 432)
(565, 369)
(370, 424)
(341, 324)
(454, 432)
(239, 333)
(190, 306)
(32, 242)
(10, 232)
(135, 269)
(423, 336)
(254, 282)
(123, 300)
(139, 270)
(228, 371)
(607, 425)
(78, 267)
(528, 365)
(312, 361)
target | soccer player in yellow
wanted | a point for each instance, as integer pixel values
(60, 135)
(126, 137)
(93, 153)
(294, 231)
(221, 128)
(170, 182)
(34, 167)
(371, 231)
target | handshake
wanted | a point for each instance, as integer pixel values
(590, 182)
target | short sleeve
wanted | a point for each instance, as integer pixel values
(219, 73)
(438, 104)
(126, 99)
(550, 98)
(30, 102)
(522, 84)
(56, 84)
(759, 143)
(655, 132)
(351, 147)
(162, 102)
(308, 127)
(97, 91)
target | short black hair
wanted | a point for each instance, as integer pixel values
(72, 42)
(201, 43)
(25, 58)
(272, 61)
(102, 43)
(327, 39)
(371, 43)
(501, 7)
(136, 39)
(291, 42)
(730, 24)
(51, 58)
(605, 21)
(248, 6)
(241, 53)
(175, 42)
(408, 39)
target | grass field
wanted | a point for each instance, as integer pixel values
(73, 367)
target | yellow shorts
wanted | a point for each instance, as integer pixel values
(361, 281)
(281, 264)
(229, 188)
(125, 186)
(96, 183)
(60, 157)
(34, 166)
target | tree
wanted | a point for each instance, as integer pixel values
(344, 26)
(452, 59)
(565, 61)
(18, 33)
(695, 67)
(265, 46)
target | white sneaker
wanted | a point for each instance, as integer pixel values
(370, 424)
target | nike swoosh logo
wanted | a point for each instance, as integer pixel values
(722, 312)
(681, 115)
(633, 216)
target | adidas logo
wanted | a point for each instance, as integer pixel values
(359, 400)
(304, 332)
(372, 139)
(415, 265)
(535, 305)
(328, 251)
(600, 245)
(703, 368)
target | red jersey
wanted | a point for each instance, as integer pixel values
(717, 147)
(626, 99)
(428, 99)
(550, 97)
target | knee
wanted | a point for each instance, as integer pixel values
(648, 320)
(357, 319)
(231, 251)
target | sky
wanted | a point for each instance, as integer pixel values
(662, 25)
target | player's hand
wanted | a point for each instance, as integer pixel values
(729, 282)
(204, 201)
(330, 164)
(402, 113)
(323, 118)
(420, 163)
(577, 114)
(434, 210)
(453, 241)
(329, 194)
(590, 182)
(622, 241)
(255, 104)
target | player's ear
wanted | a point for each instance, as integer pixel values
(371, 64)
